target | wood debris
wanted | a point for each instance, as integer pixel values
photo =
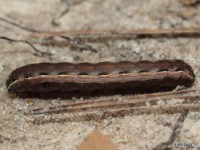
(97, 141)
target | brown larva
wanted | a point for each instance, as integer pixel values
(83, 79)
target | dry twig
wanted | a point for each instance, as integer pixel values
(129, 102)
(175, 132)
(37, 51)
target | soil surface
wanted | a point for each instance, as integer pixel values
(23, 26)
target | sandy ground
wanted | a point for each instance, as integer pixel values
(19, 19)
